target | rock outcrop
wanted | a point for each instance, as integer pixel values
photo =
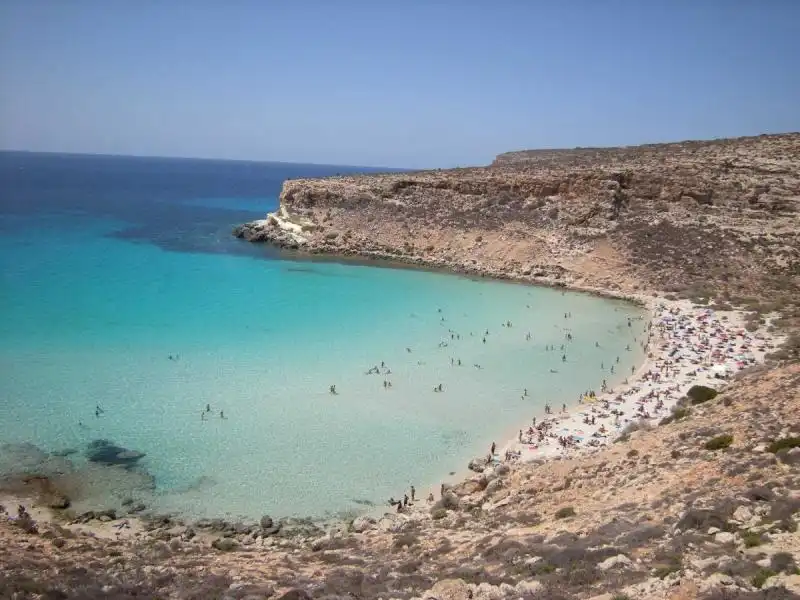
(699, 219)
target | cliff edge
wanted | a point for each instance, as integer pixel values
(697, 219)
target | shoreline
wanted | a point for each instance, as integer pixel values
(673, 363)
(307, 252)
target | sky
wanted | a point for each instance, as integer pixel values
(411, 83)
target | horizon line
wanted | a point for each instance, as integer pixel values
(199, 158)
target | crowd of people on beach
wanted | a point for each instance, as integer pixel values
(684, 345)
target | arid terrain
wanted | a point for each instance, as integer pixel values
(706, 505)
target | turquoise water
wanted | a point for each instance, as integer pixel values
(91, 316)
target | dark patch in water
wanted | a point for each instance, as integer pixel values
(306, 271)
(65, 452)
(108, 453)
(362, 501)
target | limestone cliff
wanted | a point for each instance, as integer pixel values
(695, 218)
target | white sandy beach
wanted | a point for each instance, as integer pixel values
(687, 345)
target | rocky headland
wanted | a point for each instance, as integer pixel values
(698, 219)
(705, 505)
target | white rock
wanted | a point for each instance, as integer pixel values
(528, 587)
(718, 579)
(713, 530)
(701, 564)
(764, 563)
(742, 514)
(724, 537)
(393, 523)
(618, 560)
(362, 524)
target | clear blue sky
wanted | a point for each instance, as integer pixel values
(409, 83)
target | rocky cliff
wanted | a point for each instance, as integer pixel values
(699, 219)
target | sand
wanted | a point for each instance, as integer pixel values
(688, 345)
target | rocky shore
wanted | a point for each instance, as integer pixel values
(704, 505)
(696, 219)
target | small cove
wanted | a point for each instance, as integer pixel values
(94, 305)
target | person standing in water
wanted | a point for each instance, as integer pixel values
(494, 447)
(413, 493)
(332, 389)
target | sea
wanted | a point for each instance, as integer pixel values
(130, 314)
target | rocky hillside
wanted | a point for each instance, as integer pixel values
(699, 219)
(705, 506)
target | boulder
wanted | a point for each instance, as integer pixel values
(470, 486)
(56, 500)
(478, 464)
(266, 522)
(528, 588)
(393, 523)
(494, 486)
(789, 456)
(362, 524)
(742, 514)
(723, 537)
(224, 544)
(620, 560)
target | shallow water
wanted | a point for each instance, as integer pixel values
(97, 295)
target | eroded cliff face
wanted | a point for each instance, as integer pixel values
(716, 218)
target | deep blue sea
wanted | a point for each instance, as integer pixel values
(123, 290)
